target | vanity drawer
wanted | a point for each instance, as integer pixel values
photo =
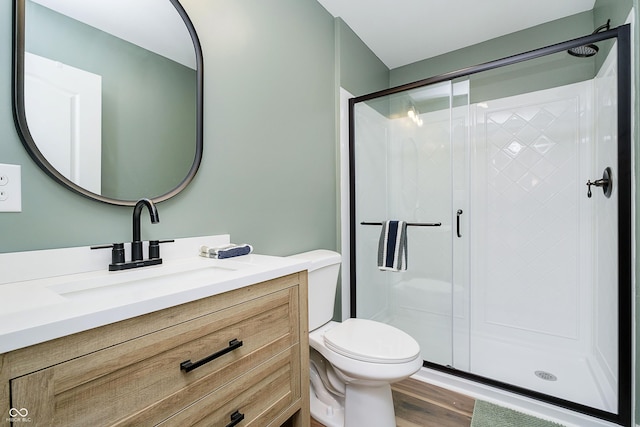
(258, 396)
(140, 381)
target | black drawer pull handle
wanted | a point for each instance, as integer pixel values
(236, 417)
(189, 366)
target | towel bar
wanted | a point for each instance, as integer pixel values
(414, 224)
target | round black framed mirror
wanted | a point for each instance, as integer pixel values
(108, 99)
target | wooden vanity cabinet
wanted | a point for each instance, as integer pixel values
(238, 358)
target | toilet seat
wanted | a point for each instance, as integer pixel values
(370, 341)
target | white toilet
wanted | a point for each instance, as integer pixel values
(353, 363)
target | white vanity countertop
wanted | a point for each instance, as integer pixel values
(41, 309)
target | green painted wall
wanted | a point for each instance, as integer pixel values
(542, 73)
(268, 175)
(361, 71)
(522, 41)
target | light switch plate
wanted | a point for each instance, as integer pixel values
(10, 188)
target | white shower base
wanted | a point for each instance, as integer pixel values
(510, 400)
(577, 378)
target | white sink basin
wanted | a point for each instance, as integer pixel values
(131, 282)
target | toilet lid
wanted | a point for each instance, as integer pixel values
(371, 341)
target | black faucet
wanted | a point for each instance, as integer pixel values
(136, 243)
(117, 253)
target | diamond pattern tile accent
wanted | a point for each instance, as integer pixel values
(499, 136)
(532, 140)
(543, 144)
(514, 148)
(514, 124)
(531, 209)
(542, 119)
(528, 133)
(529, 157)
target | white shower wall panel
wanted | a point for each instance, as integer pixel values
(543, 254)
(528, 278)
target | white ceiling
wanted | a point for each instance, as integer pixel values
(401, 32)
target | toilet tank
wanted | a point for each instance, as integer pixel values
(323, 282)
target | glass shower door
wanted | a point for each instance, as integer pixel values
(518, 283)
(403, 169)
(525, 282)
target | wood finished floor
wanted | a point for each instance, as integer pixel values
(418, 404)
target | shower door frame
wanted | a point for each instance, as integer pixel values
(622, 35)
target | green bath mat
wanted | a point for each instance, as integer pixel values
(489, 415)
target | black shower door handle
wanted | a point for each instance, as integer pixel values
(458, 222)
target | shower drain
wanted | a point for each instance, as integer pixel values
(547, 376)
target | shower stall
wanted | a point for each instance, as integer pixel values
(515, 179)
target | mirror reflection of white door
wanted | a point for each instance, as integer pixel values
(63, 107)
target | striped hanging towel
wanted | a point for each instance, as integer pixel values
(392, 247)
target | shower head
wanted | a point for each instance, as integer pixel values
(585, 51)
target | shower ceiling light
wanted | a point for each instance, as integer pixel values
(414, 114)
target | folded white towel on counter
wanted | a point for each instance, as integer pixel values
(392, 246)
(226, 251)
